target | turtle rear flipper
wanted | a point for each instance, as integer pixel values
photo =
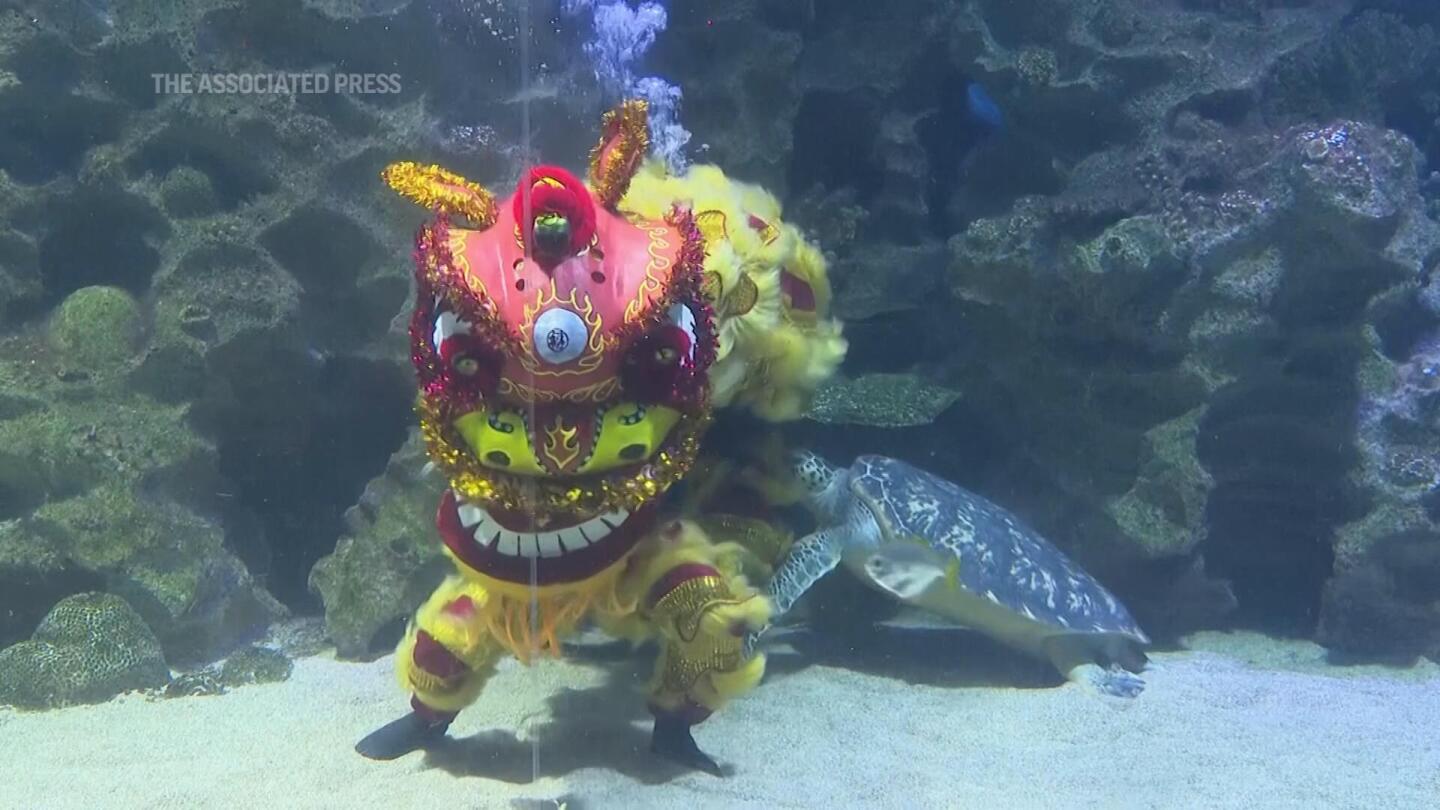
(1112, 681)
(1088, 660)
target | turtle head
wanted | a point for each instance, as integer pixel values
(820, 481)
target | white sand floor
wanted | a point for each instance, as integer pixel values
(1237, 721)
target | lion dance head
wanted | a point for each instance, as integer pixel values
(571, 343)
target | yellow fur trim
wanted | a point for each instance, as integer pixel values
(702, 620)
(807, 263)
(667, 548)
(510, 612)
(451, 696)
(763, 544)
(791, 362)
(709, 476)
(464, 638)
(751, 613)
(770, 359)
(719, 688)
(631, 627)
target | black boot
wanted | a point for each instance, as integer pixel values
(672, 740)
(397, 738)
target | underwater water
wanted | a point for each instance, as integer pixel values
(744, 404)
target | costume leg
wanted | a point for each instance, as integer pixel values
(444, 661)
(701, 608)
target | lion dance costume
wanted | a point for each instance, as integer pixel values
(571, 344)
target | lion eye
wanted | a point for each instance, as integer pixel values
(666, 355)
(466, 365)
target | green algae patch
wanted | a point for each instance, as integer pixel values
(157, 555)
(386, 564)
(255, 665)
(881, 400)
(96, 328)
(1163, 514)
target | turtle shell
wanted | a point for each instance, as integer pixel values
(1000, 556)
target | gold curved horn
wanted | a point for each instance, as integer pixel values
(436, 188)
(624, 140)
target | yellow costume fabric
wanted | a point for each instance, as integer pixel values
(772, 356)
(699, 622)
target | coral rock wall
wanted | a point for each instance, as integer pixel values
(1189, 308)
(199, 367)
(1176, 311)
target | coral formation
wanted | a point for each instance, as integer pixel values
(1200, 249)
(255, 665)
(250, 665)
(159, 450)
(387, 563)
(880, 400)
(91, 647)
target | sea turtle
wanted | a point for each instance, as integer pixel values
(938, 547)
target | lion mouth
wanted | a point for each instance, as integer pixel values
(518, 548)
(488, 532)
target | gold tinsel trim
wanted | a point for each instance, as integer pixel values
(686, 604)
(629, 488)
(429, 683)
(742, 299)
(712, 225)
(684, 608)
(624, 140)
(435, 188)
(679, 672)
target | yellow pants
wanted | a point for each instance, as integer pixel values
(677, 587)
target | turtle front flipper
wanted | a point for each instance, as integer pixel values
(809, 559)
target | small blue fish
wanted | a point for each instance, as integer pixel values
(982, 107)
(968, 120)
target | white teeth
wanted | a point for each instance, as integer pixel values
(486, 529)
(549, 544)
(470, 515)
(571, 539)
(509, 543)
(487, 532)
